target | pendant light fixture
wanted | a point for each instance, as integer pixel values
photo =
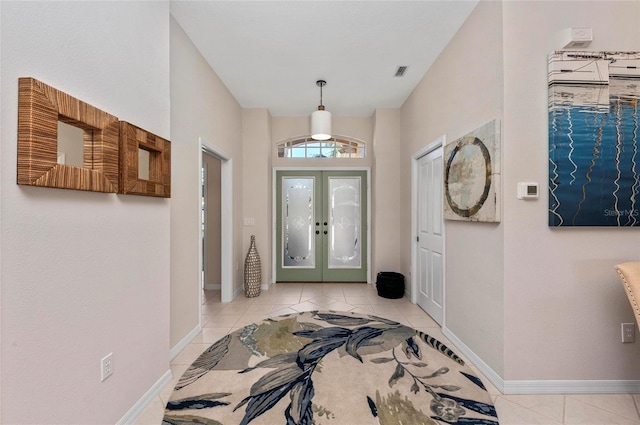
(321, 119)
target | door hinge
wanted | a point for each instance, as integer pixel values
(417, 238)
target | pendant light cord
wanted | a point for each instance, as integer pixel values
(321, 84)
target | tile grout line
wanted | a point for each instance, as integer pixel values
(608, 412)
(635, 402)
(521, 406)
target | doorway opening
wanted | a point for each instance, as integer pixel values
(216, 237)
(210, 223)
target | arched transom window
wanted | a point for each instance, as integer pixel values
(332, 148)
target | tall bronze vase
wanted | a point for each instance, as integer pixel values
(252, 271)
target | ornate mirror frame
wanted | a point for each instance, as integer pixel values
(40, 107)
(132, 139)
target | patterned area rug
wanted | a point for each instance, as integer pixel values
(328, 368)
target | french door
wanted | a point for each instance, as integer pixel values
(321, 226)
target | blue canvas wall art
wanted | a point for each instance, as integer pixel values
(594, 157)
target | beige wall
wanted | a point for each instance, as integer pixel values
(83, 274)
(534, 303)
(563, 301)
(256, 191)
(201, 107)
(462, 91)
(213, 238)
(385, 193)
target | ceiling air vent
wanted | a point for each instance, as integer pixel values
(401, 70)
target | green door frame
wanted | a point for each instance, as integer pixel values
(318, 274)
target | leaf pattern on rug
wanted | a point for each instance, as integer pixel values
(188, 420)
(275, 337)
(321, 411)
(300, 410)
(325, 341)
(362, 336)
(473, 379)
(205, 363)
(396, 410)
(372, 406)
(340, 320)
(273, 362)
(296, 377)
(411, 348)
(198, 402)
(440, 347)
(476, 406)
(293, 361)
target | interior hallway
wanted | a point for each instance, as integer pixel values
(218, 319)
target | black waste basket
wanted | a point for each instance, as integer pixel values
(390, 285)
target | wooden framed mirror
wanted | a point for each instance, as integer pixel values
(145, 161)
(45, 112)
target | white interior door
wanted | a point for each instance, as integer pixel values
(430, 240)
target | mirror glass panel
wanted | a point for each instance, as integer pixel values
(70, 145)
(143, 164)
(344, 222)
(297, 205)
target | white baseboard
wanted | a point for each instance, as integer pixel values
(483, 367)
(184, 342)
(238, 291)
(212, 286)
(543, 386)
(145, 400)
(266, 286)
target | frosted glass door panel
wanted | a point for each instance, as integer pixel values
(344, 223)
(298, 206)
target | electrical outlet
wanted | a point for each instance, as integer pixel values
(628, 332)
(106, 366)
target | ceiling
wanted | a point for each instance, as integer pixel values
(269, 54)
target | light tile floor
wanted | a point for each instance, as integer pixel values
(218, 319)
